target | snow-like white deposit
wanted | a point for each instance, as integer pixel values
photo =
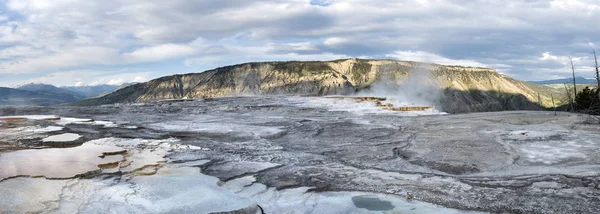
(163, 187)
(66, 137)
(105, 124)
(170, 190)
(539, 134)
(32, 117)
(218, 128)
(47, 129)
(300, 200)
(27, 132)
(348, 104)
(553, 152)
(107, 154)
(56, 162)
(29, 195)
(70, 120)
(186, 190)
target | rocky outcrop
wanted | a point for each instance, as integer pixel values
(465, 89)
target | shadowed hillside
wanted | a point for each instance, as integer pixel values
(578, 80)
(10, 96)
(46, 95)
(46, 88)
(457, 101)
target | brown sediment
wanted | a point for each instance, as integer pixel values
(375, 99)
(147, 170)
(8, 122)
(13, 119)
(391, 107)
(361, 99)
(125, 162)
(108, 165)
(386, 106)
(409, 108)
(379, 104)
(13, 122)
(104, 154)
(7, 147)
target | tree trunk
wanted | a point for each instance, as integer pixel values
(570, 108)
(553, 105)
(597, 73)
(574, 84)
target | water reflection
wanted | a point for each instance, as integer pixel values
(56, 162)
(66, 137)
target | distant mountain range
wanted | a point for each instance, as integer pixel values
(51, 89)
(46, 95)
(578, 80)
(92, 91)
(460, 89)
(11, 96)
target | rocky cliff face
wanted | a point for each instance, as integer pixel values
(465, 89)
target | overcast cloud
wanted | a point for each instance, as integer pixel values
(68, 42)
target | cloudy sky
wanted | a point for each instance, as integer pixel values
(85, 42)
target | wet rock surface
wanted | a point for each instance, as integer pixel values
(270, 148)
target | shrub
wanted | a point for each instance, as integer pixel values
(587, 101)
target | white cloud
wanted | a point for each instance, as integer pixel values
(421, 56)
(235, 54)
(19, 52)
(160, 52)
(62, 35)
(86, 77)
(575, 6)
(335, 41)
(139, 79)
(86, 56)
(78, 56)
(302, 46)
(547, 56)
(565, 60)
(203, 61)
(117, 81)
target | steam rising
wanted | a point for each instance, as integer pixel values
(419, 89)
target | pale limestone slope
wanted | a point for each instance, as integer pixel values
(479, 89)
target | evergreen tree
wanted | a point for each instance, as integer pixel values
(587, 101)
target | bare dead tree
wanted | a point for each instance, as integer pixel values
(574, 83)
(597, 73)
(553, 105)
(570, 108)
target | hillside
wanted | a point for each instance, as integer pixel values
(45, 95)
(47, 88)
(578, 80)
(462, 89)
(11, 96)
(91, 90)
